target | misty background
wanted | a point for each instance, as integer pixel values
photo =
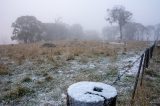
(90, 14)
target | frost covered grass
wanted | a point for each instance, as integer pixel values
(16, 93)
(49, 71)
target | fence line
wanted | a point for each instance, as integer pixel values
(119, 76)
(137, 77)
(147, 55)
(144, 63)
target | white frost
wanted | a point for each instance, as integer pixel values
(92, 66)
(79, 90)
(128, 61)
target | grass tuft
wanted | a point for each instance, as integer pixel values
(3, 69)
(27, 79)
(17, 93)
(49, 78)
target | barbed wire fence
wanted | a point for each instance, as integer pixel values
(143, 60)
(125, 71)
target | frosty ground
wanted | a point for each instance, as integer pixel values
(33, 75)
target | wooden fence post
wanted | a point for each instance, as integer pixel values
(147, 58)
(137, 77)
(145, 64)
(91, 94)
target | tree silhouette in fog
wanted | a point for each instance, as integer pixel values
(119, 15)
(27, 29)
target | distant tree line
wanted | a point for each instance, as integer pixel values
(133, 31)
(127, 30)
(27, 29)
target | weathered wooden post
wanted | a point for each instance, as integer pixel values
(91, 94)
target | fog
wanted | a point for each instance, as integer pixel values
(89, 13)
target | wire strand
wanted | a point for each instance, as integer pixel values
(119, 76)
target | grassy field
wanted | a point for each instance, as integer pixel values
(33, 74)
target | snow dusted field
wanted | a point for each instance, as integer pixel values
(41, 82)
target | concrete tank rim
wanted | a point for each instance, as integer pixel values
(76, 91)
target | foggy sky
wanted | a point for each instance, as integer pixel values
(89, 13)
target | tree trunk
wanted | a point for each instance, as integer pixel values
(120, 30)
(25, 40)
(91, 94)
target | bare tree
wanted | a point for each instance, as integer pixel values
(157, 32)
(119, 15)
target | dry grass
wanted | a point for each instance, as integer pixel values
(20, 52)
(136, 45)
(141, 97)
(68, 50)
(3, 69)
(148, 93)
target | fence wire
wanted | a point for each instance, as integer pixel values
(147, 53)
(126, 70)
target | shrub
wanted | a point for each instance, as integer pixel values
(27, 79)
